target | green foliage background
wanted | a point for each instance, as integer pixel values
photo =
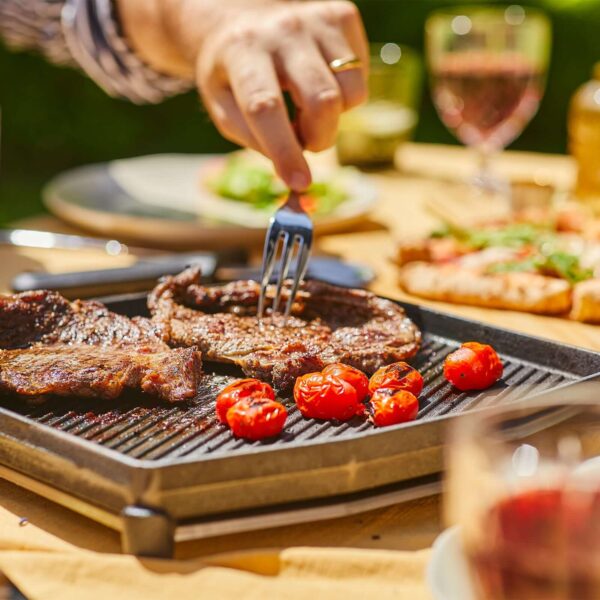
(54, 118)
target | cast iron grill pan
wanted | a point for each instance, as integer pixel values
(157, 472)
(151, 431)
(142, 429)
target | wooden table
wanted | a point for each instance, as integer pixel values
(425, 171)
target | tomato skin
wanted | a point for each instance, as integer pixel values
(473, 366)
(325, 396)
(254, 418)
(397, 376)
(357, 379)
(391, 407)
(238, 390)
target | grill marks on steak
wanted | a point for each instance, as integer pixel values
(328, 324)
(100, 372)
(46, 317)
(53, 346)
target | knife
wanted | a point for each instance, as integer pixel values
(29, 238)
(143, 275)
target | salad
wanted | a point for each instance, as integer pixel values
(254, 184)
(537, 250)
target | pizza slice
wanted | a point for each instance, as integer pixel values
(517, 266)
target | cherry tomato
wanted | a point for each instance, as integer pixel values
(255, 418)
(391, 407)
(236, 391)
(357, 379)
(325, 396)
(397, 376)
(473, 366)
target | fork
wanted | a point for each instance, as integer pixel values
(291, 226)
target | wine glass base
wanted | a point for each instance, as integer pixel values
(488, 185)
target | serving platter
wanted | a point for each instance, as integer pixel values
(160, 200)
(160, 473)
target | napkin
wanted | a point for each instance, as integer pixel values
(43, 565)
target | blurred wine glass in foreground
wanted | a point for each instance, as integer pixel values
(487, 67)
(524, 486)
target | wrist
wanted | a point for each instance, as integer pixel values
(151, 29)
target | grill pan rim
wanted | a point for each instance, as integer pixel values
(194, 485)
(142, 464)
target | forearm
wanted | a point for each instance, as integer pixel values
(168, 34)
(35, 25)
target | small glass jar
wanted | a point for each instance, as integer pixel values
(369, 135)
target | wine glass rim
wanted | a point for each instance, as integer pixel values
(497, 10)
(405, 48)
(408, 54)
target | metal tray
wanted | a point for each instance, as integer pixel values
(160, 473)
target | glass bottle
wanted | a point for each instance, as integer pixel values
(584, 139)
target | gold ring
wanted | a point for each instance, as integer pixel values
(339, 65)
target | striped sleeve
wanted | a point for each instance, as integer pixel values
(87, 34)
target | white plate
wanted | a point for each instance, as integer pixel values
(447, 572)
(161, 200)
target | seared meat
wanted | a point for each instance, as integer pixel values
(100, 372)
(46, 317)
(53, 346)
(328, 324)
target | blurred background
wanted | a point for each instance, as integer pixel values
(55, 118)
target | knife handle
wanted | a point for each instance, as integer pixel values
(141, 276)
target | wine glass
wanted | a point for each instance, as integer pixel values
(487, 67)
(524, 487)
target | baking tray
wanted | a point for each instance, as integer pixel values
(160, 473)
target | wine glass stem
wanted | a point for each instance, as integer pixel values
(485, 181)
(484, 178)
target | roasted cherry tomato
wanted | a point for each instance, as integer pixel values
(325, 396)
(391, 407)
(236, 391)
(357, 379)
(473, 366)
(255, 418)
(397, 376)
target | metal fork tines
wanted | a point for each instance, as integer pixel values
(291, 228)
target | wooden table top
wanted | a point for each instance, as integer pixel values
(424, 171)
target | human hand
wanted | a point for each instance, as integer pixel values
(245, 53)
(257, 53)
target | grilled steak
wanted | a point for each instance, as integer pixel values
(53, 346)
(328, 324)
(100, 372)
(46, 317)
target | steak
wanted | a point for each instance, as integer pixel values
(100, 372)
(328, 324)
(53, 346)
(46, 317)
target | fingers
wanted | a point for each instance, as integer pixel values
(352, 83)
(314, 91)
(243, 66)
(342, 36)
(227, 116)
(254, 83)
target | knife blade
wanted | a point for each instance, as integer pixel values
(29, 238)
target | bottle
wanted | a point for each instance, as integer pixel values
(584, 139)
